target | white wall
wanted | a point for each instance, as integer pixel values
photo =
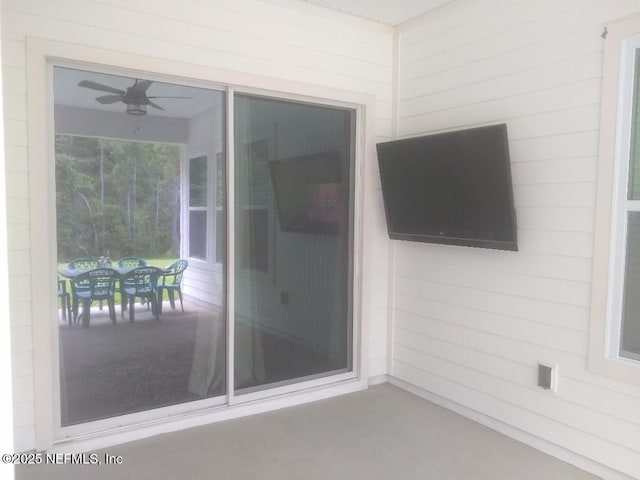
(281, 40)
(471, 325)
(89, 122)
(204, 279)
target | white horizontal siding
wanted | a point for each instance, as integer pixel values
(253, 37)
(238, 50)
(565, 170)
(503, 26)
(571, 120)
(496, 263)
(562, 219)
(471, 325)
(19, 263)
(569, 71)
(501, 109)
(204, 284)
(555, 195)
(545, 287)
(534, 332)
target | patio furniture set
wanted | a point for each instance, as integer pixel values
(98, 280)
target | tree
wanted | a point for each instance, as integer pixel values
(116, 197)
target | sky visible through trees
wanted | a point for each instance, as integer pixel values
(117, 198)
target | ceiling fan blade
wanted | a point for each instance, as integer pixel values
(100, 87)
(140, 87)
(155, 105)
(167, 97)
(106, 99)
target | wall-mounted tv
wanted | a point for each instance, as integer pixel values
(452, 188)
(309, 193)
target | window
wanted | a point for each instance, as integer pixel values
(207, 216)
(615, 305)
(198, 208)
(625, 299)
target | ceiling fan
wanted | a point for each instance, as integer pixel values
(135, 97)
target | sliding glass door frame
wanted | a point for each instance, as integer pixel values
(232, 398)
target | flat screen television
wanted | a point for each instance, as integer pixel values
(450, 188)
(309, 193)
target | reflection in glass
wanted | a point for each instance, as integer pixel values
(293, 206)
(633, 191)
(198, 234)
(119, 193)
(198, 182)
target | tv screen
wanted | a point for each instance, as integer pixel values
(309, 193)
(452, 188)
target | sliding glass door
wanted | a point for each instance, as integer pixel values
(142, 172)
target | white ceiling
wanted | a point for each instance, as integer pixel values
(390, 12)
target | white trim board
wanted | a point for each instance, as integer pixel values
(600, 360)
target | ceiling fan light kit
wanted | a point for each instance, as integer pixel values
(136, 109)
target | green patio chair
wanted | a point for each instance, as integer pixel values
(141, 282)
(123, 265)
(79, 264)
(83, 264)
(65, 300)
(96, 285)
(171, 282)
(130, 262)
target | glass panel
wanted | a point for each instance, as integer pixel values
(198, 182)
(118, 195)
(630, 338)
(634, 160)
(293, 236)
(198, 234)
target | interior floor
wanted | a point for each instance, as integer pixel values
(380, 433)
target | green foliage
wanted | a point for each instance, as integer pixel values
(117, 197)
